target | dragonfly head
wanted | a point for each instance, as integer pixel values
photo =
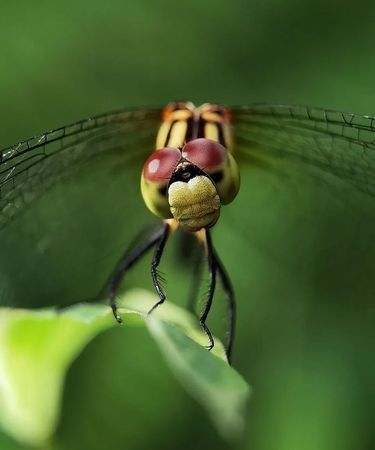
(192, 197)
(190, 184)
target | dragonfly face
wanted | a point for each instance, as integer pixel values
(191, 181)
(69, 198)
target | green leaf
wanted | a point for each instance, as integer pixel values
(37, 348)
(205, 375)
(210, 380)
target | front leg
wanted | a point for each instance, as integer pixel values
(127, 261)
(212, 271)
(160, 244)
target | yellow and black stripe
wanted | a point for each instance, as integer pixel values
(183, 122)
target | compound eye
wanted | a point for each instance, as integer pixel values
(206, 154)
(161, 164)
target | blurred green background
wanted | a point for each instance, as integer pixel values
(301, 262)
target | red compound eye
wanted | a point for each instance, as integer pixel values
(204, 153)
(160, 165)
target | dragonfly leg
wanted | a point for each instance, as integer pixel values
(228, 289)
(160, 244)
(127, 261)
(212, 270)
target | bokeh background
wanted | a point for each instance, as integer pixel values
(301, 261)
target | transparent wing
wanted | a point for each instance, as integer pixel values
(319, 141)
(69, 205)
(30, 166)
(299, 239)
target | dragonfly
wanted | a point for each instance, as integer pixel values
(93, 168)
